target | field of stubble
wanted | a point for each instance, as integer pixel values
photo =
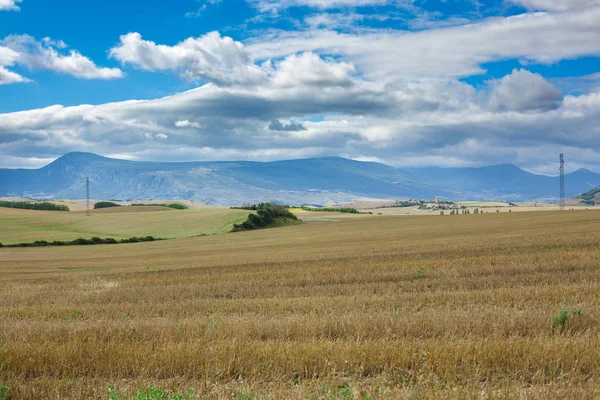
(373, 308)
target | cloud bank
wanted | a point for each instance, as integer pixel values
(366, 94)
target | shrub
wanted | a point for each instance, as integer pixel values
(83, 242)
(105, 204)
(348, 210)
(44, 206)
(266, 214)
(177, 206)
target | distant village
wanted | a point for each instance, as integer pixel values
(432, 205)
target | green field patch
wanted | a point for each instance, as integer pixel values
(22, 226)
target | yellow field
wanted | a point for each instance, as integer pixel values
(123, 222)
(384, 307)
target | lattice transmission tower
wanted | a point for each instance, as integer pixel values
(87, 196)
(562, 181)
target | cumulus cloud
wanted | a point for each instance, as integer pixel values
(524, 91)
(308, 68)
(185, 124)
(8, 77)
(8, 58)
(210, 57)
(372, 95)
(9, 5)
(45, 55)
(291, 126)
(446, 52)
(445, 122)
(556, 5)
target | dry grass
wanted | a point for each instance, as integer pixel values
(383, 307)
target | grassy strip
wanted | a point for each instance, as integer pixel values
(82, 242)
(43, 206)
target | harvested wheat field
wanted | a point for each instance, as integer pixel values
(473, 306)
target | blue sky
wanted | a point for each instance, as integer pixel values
(405, 82)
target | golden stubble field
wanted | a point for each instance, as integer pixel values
(383, 307)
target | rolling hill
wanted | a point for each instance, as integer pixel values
(306, 181)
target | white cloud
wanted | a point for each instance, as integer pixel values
(43, 55)
(556, 5)
(9, 5)
(310, 69)
(210, 57)
(275, 5)
(444, 122)
(185, 123)
(8, 58)
(8, 77)
(524, 91)
(449, 52)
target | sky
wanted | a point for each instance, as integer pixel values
(410, 83)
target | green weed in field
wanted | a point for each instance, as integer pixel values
(4, 392)
(420, 273)
(560, 320)
(246, 396)
(150, 393)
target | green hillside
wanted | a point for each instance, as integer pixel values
(20, 226)
(591, 197)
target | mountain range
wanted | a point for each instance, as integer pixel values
(328, 180)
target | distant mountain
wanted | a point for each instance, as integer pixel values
(307, 181)
(505, 182)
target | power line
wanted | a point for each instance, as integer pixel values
(562, 181)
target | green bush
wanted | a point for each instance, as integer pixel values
(348, 210)
(177, 206)
(266, 214)
(43, 206)
(105, 204)
(82, 242)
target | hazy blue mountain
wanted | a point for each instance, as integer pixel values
(506, 181)
(310, 181)
(307, 181)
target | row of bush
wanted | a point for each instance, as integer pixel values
(81, 241)
(105, 204)
(348, 210)
(177, 206)
(26, 205)
(254, 207)
(108, 204)
(267, 214)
